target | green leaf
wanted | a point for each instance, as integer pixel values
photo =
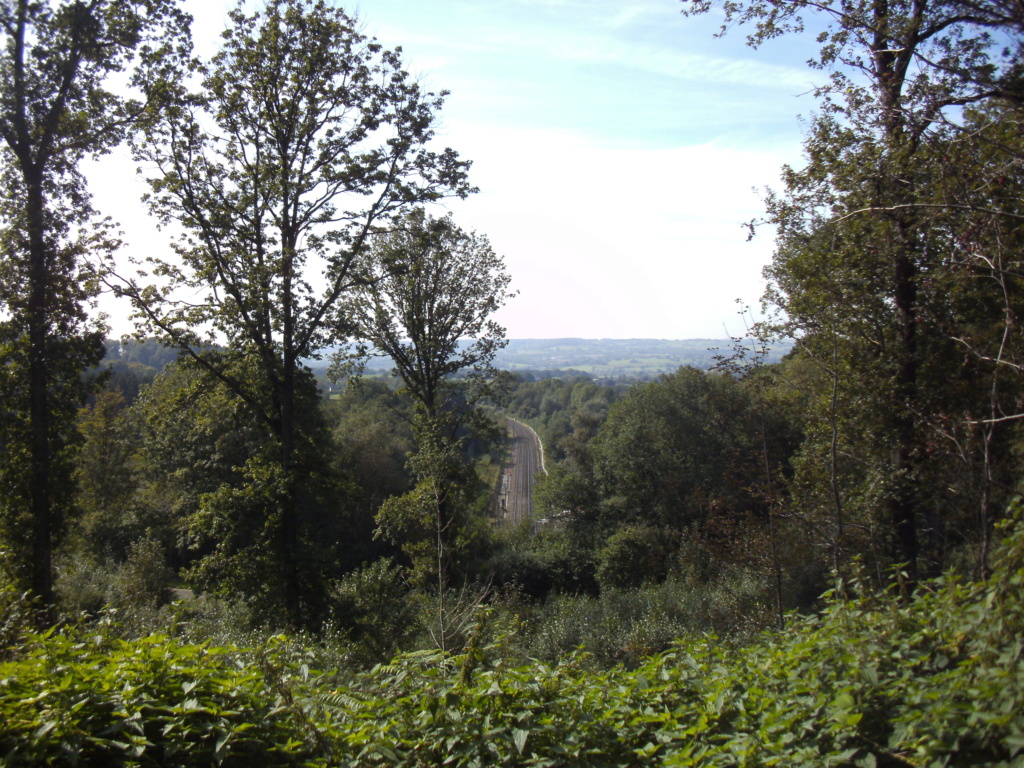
(519, 736)
(44, 729)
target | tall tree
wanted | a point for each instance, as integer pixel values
(427, 302)
(55, 110)
(212, 478)
(305, 138)
(860, 246)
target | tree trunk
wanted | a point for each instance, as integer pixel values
(903, 504)
(289, 512)
(40, 501)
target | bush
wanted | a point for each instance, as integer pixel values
(16, 612)
(520, 570)
(567, 561)
(213, 619)
(83, 585)
(871, 681)
(879, 679)
(373, 602)
(633, 556)
(628, 625)
(134, 589)
(84, 698)
(143, 581)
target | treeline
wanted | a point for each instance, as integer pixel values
(167, 499)
(554, 404)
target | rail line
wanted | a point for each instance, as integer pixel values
(527, 459)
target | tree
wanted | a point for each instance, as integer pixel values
(861, 245)
(980, 195)
(106, 472)
(683, 456)
(305, 139)
(427, 303)
(210, 484)
(676, 449)
(372, 437)
(54, 111)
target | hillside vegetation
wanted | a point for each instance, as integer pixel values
(875, 679)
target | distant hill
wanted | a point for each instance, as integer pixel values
(600, 358)
(615, 358)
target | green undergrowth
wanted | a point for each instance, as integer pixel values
(874, 680)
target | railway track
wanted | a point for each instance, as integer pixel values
(516, 498)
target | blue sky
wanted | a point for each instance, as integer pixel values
(616, 144)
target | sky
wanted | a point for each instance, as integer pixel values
(619, 148)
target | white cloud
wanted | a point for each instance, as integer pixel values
(658, 60)
(588, 48)
(631, 14)
(623, 242)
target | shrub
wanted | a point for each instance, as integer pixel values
(520, 570)
(633, 556)
(16, 612)
(83, 585)
(627, 625)
(373, 602)
(880, 679)
(143, 581)
(567, 561)
(134, 589)
(84, 698)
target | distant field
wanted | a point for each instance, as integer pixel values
(615, 357)
(604, 358)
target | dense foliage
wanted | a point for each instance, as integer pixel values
(896, 271)
(296, 144)
(875, 679)
(555, 406)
